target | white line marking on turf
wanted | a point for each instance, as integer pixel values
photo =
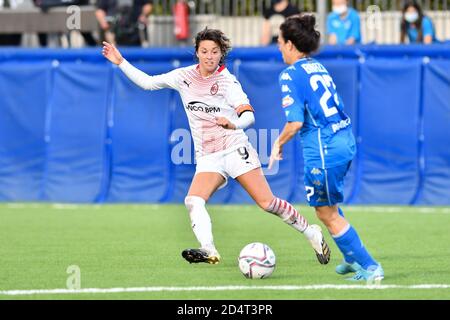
(397, 209)
(226, 288)
(376, 209)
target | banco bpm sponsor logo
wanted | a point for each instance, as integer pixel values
(202, 107)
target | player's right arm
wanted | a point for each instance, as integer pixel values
(140, 78)
(294, 107)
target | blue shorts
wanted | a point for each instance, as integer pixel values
(325, 187)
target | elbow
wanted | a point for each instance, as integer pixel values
(295, 127)
(251, 120)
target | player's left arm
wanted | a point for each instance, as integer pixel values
(237, 98)
(245, 120)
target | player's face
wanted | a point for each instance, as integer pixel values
(209, 55)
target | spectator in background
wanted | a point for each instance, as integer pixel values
(44, 5)
(343, 24)
(123, 21)
(9, 39)
(274, 16)
(418, 27)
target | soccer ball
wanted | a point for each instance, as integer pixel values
(256, 261)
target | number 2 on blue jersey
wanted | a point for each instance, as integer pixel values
(327, 84)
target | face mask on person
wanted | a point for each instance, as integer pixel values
(340, 9)
(411, 17)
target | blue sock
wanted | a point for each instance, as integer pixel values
(347, 258)
(353, 249)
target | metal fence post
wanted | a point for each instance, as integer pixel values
(321, 17)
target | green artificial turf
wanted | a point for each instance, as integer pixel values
(139, 246)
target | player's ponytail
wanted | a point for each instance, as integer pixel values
(300, 30)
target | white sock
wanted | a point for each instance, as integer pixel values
(289, 214)
(200, 221)
(309, 232)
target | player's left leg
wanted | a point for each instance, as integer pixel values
(356, 257)
(255, 183)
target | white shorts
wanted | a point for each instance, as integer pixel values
(230, 164)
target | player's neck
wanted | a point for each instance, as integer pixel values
(205, 73)
(298, 57)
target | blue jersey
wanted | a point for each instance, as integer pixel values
(349, 27)
(427, 30)
(309, 96)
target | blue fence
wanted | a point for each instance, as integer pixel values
(73, 128)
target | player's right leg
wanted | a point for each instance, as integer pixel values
(255, 183)
(203, 185)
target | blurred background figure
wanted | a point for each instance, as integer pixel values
(11, 39)
(343, 24)
(415, 25)
(274, 16)
(44, 5)
(123, 22)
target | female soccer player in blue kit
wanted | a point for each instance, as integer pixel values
(313, 108)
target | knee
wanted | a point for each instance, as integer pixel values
(265, 204)
(327, 215)
(270, 204)
(193, 201)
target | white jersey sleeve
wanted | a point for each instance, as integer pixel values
(235, 95)
(147, 82)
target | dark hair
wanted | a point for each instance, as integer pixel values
(218, 37)
(300, 30)
(405, 24)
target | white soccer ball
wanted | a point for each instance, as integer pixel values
(256, 261)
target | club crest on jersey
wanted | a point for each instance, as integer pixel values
(287, 101)
(214, 88)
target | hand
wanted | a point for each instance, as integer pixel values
(225, 123)
(111, 53)
(276, 154)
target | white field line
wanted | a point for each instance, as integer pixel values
(71, 206)
(377, 209)
(225, 288)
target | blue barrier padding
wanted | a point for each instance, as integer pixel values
(436, 121)
(388, 130)
(140, 139)
(76, 133)
(186, 54)
(23, 98)
(73, 128)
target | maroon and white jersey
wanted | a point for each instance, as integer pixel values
(204, 99)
